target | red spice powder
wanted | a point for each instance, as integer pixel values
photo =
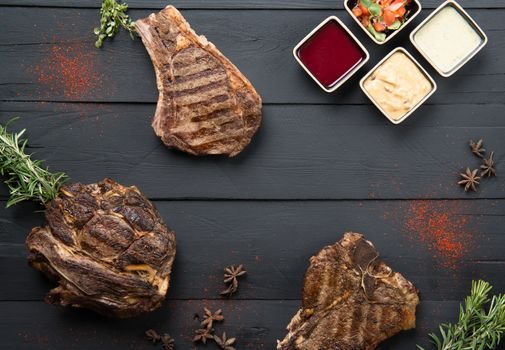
(69, 70)
(441, 226)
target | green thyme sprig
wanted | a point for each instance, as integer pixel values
(25, 178)
(113, 16)
(476, 329)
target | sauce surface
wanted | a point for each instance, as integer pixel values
(447, 39)
(330, 54)
(397, 85)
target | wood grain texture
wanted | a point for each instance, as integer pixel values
(260, 44)
(275, 239)
(233, 4)
(300, 152)
(256, 324)
(321, 164)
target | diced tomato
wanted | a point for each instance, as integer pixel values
(396, 5)
(389, 17)
(357, 12)
(365, 21)
(363, 9)
(379, 26)
(401, 12)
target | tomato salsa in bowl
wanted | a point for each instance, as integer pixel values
(382, 19)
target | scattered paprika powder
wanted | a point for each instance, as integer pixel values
(69, 70)
(441, 227)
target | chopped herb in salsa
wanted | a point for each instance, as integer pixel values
(381, 17)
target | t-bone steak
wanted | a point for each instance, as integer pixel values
(351, 300)
(205, 105)
(107, 248)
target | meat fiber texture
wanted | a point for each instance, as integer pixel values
(205, 104)
(351, 300)
(107, 248)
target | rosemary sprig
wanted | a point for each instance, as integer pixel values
(476, 329)
(26, 179)
(112, 17)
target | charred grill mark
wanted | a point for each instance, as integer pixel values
(205, 137)
(207, 103)
(185, 59)
(207, 71)
(211, 115)
(216, 85)
(203, 96)
(203, 80)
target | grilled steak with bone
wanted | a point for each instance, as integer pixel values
(205, 105)
(107, 247)
(351, 300)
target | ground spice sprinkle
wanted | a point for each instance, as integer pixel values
(69, 70)
(442, 228)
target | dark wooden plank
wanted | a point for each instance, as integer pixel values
(256, 324)
(300, 152)
(276, 239)
(260, 46)
(234, 4)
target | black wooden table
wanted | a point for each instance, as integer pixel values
(320, 165)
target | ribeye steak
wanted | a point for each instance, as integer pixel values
(351, 300)
(107, 248)
(205, 105)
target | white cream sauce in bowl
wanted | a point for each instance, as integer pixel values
(448, 38)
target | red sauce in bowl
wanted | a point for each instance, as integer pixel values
(330, 53)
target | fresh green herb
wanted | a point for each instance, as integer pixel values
(113, 16)
(26, 179)
(376, 34)
(477, 329)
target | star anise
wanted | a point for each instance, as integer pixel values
(487, 169)
(201, 335)
(477, 148)
(209, 318)
(470, 179)
(232, 289)
(168, 342)
(225, 343)
(153, 336)
(231, 273)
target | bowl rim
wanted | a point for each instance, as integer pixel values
(419, 104)
(414, 15)
(468, 18)
(346, 76)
